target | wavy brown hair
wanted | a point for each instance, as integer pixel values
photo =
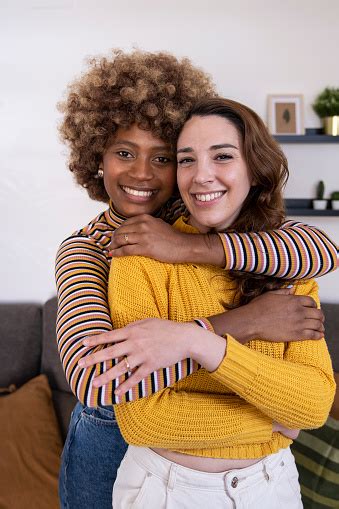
(263, 208)
(153, 90)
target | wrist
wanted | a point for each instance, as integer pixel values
(205, 248)
(235, 322)
(205, 347)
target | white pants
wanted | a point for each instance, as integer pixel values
(146, 480)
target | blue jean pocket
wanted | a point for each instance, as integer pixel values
(100, 415)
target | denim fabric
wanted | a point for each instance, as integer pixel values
(92, 454)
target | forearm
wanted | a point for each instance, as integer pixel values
(81, 278)
(236, 323)
(296, 251)
(295, 394)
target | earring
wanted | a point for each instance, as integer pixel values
(100, 173)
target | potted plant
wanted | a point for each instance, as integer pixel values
(335, 200)
(320, 203)
(326, 106)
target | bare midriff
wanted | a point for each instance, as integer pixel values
(203, 464)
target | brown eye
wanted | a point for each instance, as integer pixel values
(185, 160)
(124, 154)
(223, 157)
(162, 159)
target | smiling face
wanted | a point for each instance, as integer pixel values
(139, 171)
(212, 174)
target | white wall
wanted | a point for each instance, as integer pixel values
(252, 48)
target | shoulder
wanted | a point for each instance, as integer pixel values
(96, 236)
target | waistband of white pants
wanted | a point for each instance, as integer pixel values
(172, 473)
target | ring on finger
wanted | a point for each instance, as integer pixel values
(126, 238)
(128, 367)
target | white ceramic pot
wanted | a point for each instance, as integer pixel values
(335, 204)
(319, 204)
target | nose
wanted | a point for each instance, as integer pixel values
(142, 170)
(203, 173)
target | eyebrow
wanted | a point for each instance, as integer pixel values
(213, 147)
(126, 142)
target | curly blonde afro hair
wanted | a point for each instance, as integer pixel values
(153, 90)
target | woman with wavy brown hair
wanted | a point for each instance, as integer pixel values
(212, 439)
(120, 121)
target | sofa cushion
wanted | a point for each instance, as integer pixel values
(30, 447)
(64, 402)
(20, 341)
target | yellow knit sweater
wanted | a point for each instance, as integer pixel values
(227, 413)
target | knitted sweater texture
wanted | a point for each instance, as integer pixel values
(82, 268)
(227, 413)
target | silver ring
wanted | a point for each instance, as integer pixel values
(126, 238)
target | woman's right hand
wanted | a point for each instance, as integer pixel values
(274, 316)
(147, 345)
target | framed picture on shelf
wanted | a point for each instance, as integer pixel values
(286, 114)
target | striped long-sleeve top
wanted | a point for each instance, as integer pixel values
(82, 267)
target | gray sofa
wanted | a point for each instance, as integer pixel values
(28, 348)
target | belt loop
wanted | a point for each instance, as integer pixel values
(172, 476)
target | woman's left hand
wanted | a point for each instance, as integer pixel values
(143, 346)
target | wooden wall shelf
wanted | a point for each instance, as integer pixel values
(303, 207)
(311, 136)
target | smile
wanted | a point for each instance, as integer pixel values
(209, 196)
(138, 192)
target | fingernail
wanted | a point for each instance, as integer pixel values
(81, 363)
(117, 393)
(85, 342)
(95, 383)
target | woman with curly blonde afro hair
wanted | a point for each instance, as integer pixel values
(121, 119)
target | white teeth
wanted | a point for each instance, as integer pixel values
(209, 197)
(144, 194)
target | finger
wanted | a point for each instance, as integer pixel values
(314, 314)
(106, 338)
(315, 325)
(93, 358)
(111, 374)
(312, 334)
(282, 291)
(112, 352)
(130, 250)
(125, 239)
(114, 373)
(307, 301)
(129, 383)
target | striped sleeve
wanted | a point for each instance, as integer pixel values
(81, 277)
(296, 251)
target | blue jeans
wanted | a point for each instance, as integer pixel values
(91, 457)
